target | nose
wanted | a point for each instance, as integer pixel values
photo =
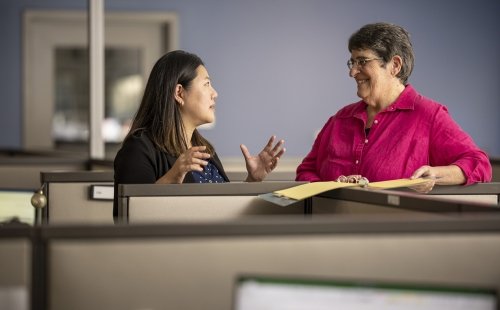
(354, 71)
(215, 94)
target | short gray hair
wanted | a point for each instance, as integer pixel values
(386, 40)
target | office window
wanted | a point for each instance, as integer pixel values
(56, 74)
(123, 90)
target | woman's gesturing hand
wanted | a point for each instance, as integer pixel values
(194, 159)
(260, 166)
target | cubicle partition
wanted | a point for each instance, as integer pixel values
(78, 197)
(198, 266)
(140, 203)
(21, 170)
(487, 193)
(442, 200)
(16, 270)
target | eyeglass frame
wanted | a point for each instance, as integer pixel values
(360, 62)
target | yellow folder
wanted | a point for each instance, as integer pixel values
(304, 191)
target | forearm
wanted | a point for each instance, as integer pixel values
(448, 175)
(171, 177)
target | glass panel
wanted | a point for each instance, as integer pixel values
(123, 92)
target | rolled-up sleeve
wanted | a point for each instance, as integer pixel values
(450, 145)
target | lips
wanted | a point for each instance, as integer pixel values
(360, 82)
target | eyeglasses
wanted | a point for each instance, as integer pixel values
(360, 62)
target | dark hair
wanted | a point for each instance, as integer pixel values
(159, 114)
(386, 40)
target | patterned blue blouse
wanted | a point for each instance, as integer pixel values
(210, 174)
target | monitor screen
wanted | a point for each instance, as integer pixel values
(16, 204)
(265, 293)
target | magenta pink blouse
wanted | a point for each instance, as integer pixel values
(412, 132)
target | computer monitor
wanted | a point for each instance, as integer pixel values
(267, 292)
(16, 204)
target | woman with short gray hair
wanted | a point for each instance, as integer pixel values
(393, 132)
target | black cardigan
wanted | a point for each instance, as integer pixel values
(140, 162)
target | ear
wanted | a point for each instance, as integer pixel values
(179, 94)
(397, 64)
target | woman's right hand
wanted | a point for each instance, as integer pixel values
(194, 159)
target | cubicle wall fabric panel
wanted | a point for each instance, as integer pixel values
(204, 208)
(86, 274)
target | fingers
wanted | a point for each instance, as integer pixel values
(424, 171)
(199, 151)
(427, 172)
(277, 148)
(194, 159)
(276, 158)
(245, 151)
(269, 146)
(274, 163)
(270, 142)
(424, 188)
(267, 159)
(274, 153)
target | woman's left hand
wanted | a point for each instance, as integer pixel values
(260, 166)
(441, 175)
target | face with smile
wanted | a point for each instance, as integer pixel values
(197, 101)
(375, 81)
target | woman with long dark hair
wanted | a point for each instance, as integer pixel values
(164, 145)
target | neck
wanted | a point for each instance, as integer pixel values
(188, 134)
(392, 95)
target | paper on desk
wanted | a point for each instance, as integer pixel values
(397, 183)
(305, 191)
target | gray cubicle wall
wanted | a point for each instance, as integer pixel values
(488, 193)
(196, 266)
(442, 200)
(24, 173)
(140, 203)
(15, 267)
(21, 170)
(70, 199)
(203, 202)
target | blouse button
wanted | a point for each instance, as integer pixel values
(357, 161)
(366, 141)
(376, 121)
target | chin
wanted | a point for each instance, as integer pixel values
(208, 124)
(363, 95)
(360, 94)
